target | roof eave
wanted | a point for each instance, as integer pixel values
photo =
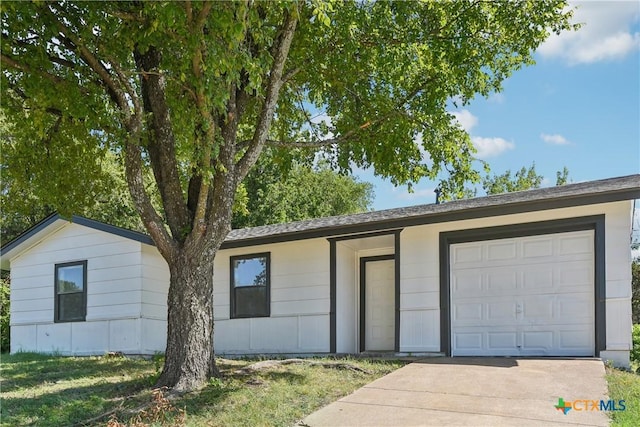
(496, 209)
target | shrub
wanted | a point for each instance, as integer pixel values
(635, 351)
(4, 315)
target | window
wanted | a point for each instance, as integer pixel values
(71, 292)
(250, 284)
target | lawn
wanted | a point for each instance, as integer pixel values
(625, 386)
(59, 391)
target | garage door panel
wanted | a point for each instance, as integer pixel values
(467, 254)
(499, 250)
(532, 296)
(575, 274)
(537, 278)
(536, 248)
(465, 282)
(576, 339)
(501, 311)
(471, 312)
(502, 280)
(575, 309)
(540, 341)
(575, 244)
(538, 309)
(469, 341)
(500, 341)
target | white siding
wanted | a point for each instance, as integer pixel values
(420, 281)
(347, 299)
(299, 321)
(113, 294)
(155, 284)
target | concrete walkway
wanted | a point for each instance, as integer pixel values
(474, 392)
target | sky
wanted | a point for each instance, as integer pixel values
(578, 106)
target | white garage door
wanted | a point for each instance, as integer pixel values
(526, 296)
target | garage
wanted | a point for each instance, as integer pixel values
(529, 295)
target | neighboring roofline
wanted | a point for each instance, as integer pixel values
(76, 219)
(570, 195)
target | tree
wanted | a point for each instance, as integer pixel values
(194, 91)
(562, 177)
(303, 192)
(524, 179)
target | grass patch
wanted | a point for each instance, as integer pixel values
(58, 391)
(624, 385)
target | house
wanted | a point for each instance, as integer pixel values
(543, 272)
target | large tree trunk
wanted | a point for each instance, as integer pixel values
(189, 357)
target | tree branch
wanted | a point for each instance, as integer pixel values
(93, 62)
(6, 60)
(135, 182)
(274, 85)
(161, 147)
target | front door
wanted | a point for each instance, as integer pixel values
(378, 314)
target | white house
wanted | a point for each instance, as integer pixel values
(535, 273)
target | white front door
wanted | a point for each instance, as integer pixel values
(525, 296)
(379, 318)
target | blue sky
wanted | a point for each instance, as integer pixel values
(578, 107)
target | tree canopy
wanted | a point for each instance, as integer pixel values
(194, 91)
(301, 192)
(524, 179)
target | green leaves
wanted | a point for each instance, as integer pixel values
(270, 195)
(383, 72)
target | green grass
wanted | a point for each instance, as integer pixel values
(58, 391)
(625, 386)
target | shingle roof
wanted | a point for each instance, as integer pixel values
(606, 190)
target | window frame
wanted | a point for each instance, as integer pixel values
(232, 287)
(56, 294)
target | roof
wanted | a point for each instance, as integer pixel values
(53, 223)
(584, 193)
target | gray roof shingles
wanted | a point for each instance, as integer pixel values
(629, 185)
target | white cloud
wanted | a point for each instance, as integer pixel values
(486, 147)
(466, 119)
(491, 147)
(555, 139)
(606, 33)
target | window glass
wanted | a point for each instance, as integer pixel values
(70, 289)
(250, 286)
(70, 279)
(71, 306)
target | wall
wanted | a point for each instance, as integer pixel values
(155, 287)
(420, 304)
(113, 294)
(347, 299)
(299, 321)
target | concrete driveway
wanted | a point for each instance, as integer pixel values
(475, 392)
